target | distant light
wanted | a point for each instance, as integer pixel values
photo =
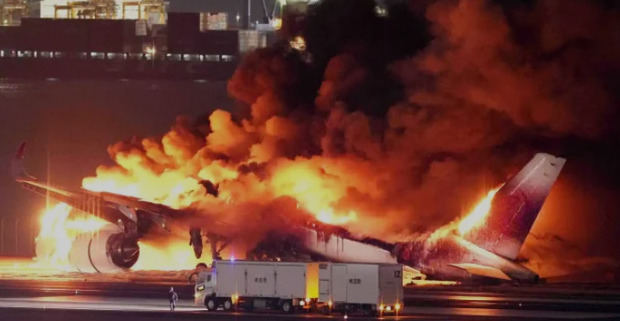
(232, 258)
(298, 43)
(150, 50)
(381, 11)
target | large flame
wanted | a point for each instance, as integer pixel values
(245, 161)
(58, 231)
(477, 216)
(301, 179)
(60, 225)
(173, 255)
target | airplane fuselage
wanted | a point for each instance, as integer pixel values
(489, 252)
(438, 261)
(453, 258)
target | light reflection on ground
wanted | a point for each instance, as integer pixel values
(28, 269)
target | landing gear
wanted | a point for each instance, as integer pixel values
(216, 248)
(195, 240)
(217, 243)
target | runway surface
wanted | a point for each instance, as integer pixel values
(92, 301)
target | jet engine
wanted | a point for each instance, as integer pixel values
(107, 250)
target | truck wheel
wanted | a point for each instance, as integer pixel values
(210, 304)
(287, 307)
(228, 306)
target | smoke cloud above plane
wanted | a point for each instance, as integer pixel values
(393, 126)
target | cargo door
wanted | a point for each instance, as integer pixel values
(229, 278)
(260, 280)
(290, 281)
(325, 276)
(362, 283)
(391, 284)
(339, 282)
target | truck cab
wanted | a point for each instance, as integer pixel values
(205, 286)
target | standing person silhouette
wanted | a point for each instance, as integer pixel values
(173, 296)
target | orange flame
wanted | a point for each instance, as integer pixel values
(473, 219)
(57, 233)
(477, 216)
(303, 181)
(174, 255)
(60, 226)
(247, 161)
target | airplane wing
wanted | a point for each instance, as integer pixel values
(114, 208)
(482, 270)
(133, 217)
(136, 218)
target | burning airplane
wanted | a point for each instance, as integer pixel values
(389, 127)
(485, 243)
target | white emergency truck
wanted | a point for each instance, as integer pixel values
(291, 286)
(229, 285)
(362, 287)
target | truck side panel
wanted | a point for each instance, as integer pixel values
(362, 283)
(338, 282)
(230, 279)
(261, 280)
(325, 282)
(391, 283)
(290, 281)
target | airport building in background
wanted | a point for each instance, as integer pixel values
(202, 39)
(233, 14)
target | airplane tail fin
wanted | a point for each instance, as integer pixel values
(17, 165)
(516, 206)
